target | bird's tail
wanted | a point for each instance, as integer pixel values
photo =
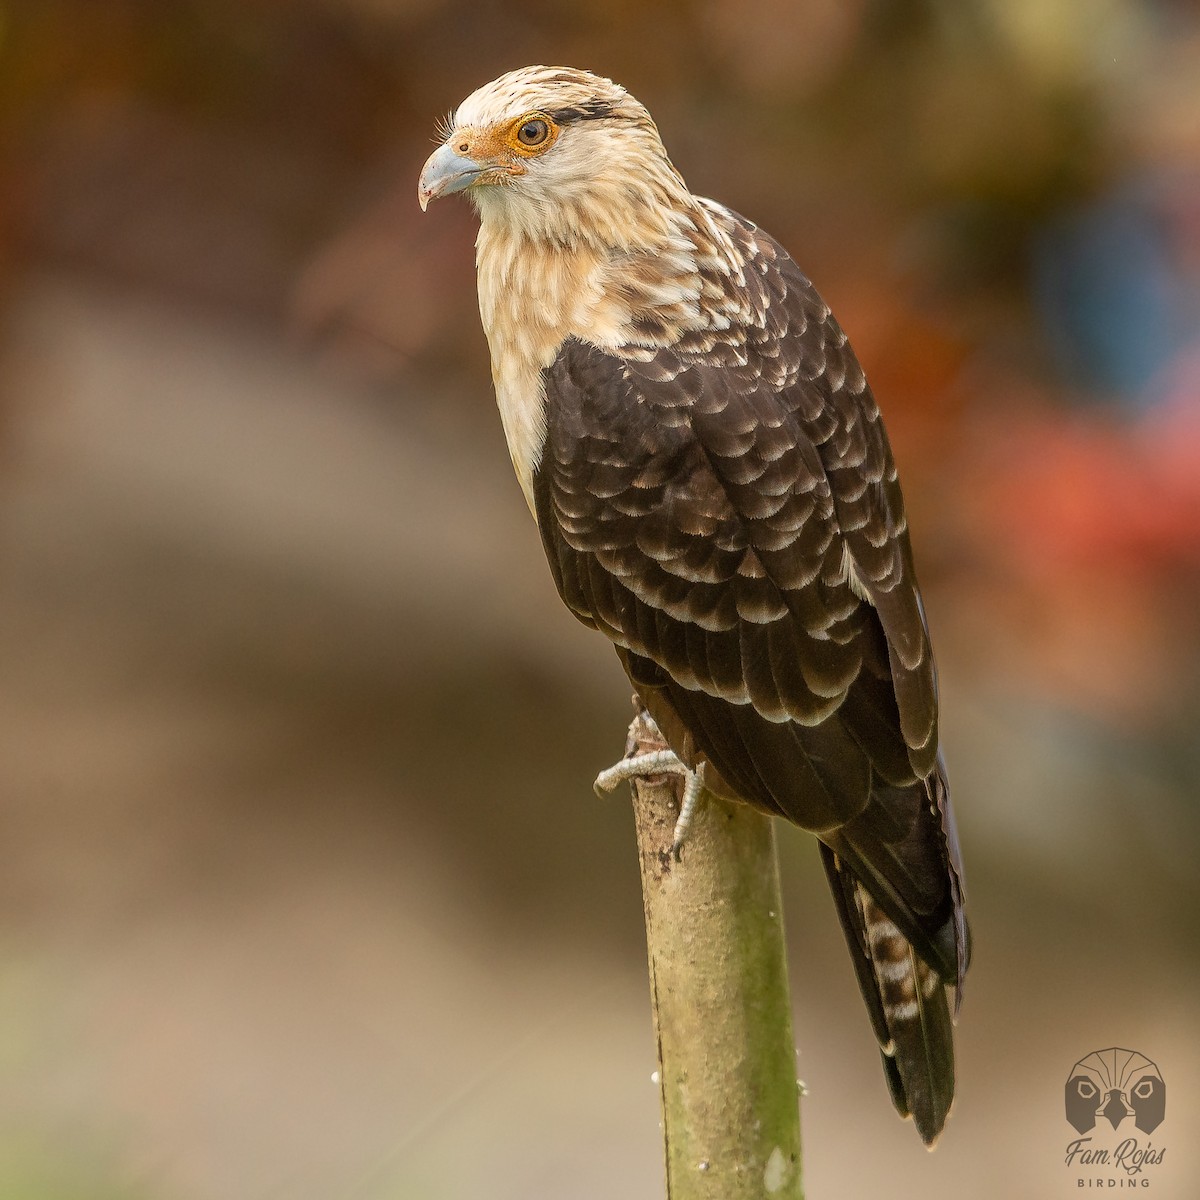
(906, 1000)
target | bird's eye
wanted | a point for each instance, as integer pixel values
(533, 132)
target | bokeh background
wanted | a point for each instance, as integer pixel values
(304, 892)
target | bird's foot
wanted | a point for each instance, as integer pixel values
(639, 766)
(659, 762)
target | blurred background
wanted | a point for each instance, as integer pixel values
(305, 893)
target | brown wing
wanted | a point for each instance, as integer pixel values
(727, 512)
(689, 517)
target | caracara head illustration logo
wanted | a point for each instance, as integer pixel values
(1114, 1084)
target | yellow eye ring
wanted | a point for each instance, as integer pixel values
(532, 133)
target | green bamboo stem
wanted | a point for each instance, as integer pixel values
(718, 986)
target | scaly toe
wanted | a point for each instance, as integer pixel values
(656, 762)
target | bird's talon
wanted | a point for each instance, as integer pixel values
(646, 766)
(693, 790)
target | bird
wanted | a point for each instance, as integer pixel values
(714, 490)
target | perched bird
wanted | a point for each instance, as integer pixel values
(715, 493)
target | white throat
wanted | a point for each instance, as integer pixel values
(535, 292)
(531, 298)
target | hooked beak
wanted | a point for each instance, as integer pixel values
(446, 172)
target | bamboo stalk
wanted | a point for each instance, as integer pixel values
(718, 986)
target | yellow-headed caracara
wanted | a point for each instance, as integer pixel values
(715, 493)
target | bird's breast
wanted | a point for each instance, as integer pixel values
(533, 298)
(521, 398)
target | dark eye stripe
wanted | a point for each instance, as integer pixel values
(589, 110)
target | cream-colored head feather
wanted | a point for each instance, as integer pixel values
(587, 231)
(601, 175)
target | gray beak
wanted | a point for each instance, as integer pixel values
(445, 173)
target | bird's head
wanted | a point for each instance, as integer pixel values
(556, 154)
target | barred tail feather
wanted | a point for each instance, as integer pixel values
(921, 1070)
(906, 1002)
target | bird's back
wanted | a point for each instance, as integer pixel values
(726, 510)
